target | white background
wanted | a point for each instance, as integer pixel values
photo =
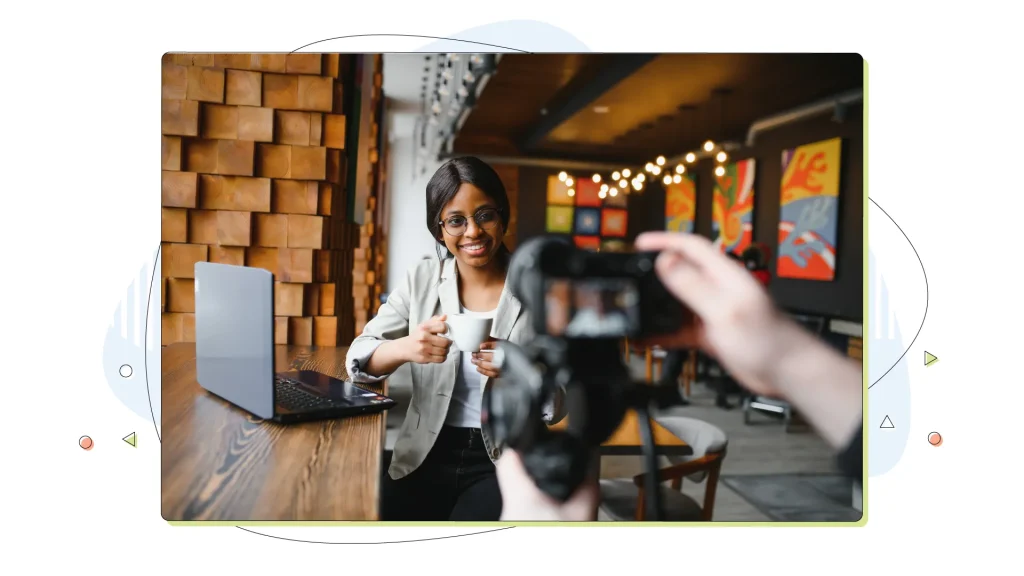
(80, 215)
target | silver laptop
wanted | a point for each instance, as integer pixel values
(235, 353)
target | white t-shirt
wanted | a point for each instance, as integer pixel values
(464, 409)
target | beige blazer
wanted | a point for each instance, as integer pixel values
(430, 289)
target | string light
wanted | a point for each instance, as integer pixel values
(720, 171)
(680, 169)
(637, 185)
(625, 173)
(660, 160)
(568, 181)
(649, 167)
(656, 171)
(709, 146)
(722, 156)
(602, 194)
(604, 187)
(615, 175)
(622, 183)
(691, 157)
(562, 176)
(597, 178)
(613, 192)
(572, 192)
(640, 178)
(667, 180)
(677, 178)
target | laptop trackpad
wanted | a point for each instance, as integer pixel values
(326, 386)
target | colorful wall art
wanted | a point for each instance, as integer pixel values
(592, 243)
(560, 219)
(809, 215)
(588, 221)
(732, 217)
(681, 205)
(613, 222)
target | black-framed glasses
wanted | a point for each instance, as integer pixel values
(485, 218)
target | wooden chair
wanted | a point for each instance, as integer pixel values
(623, 499)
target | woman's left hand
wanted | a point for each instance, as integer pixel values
(484, 360)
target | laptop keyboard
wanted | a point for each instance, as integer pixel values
(292, 397)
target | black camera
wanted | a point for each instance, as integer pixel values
(582, 304)
(577, 294)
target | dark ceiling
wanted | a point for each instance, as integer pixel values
(631, 107)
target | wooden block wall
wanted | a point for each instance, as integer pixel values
(369, 256)
(253, 166)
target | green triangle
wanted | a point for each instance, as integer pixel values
(929, 358)
(130, 439)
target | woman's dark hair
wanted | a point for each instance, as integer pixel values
(444, 185)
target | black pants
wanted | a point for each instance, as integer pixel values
(456, 482)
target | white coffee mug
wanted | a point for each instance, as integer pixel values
(468, 332)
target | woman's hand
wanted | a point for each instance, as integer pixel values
(423, 345)
(485, 362)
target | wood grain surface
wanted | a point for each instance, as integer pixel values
(221, 463)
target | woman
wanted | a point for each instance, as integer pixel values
(443, 464)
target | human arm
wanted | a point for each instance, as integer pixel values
(764, 350)
(388, 341)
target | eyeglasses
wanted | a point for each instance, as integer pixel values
(485, 218)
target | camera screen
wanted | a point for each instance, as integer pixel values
(591, 307)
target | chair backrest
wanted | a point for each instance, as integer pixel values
(703, 438)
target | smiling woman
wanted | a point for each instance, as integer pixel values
(443, 463)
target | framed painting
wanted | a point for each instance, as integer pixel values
(560, 219)
(558, 192)
(588, 221)
(681, 205)
(592, 243)
(613, 222)
(732, 215)
(809, 211)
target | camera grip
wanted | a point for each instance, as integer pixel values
(558, 464)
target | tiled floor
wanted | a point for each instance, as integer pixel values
(761, 448)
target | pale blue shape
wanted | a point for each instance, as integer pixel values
(527, 35)
(133, 341)
(891, 396)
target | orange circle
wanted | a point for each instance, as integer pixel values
(935, 439)
(85, 442)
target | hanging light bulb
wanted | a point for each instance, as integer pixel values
(709, 146)
(625, 173)
(637, 185)
(660, 160)
(622, 183)
(640, 177)
(680, 169)
(656, 171)
(691, 157)
(602, 194)
(613, 192)
(677, 178)
(649, 167)
(568, 181)
(615, 175)
(562, 176)
(722, 156)
(720, 171)
(604, 187)
(597, 178)
(667, 179)
(572, 192)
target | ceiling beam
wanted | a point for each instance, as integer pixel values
(620, 68)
